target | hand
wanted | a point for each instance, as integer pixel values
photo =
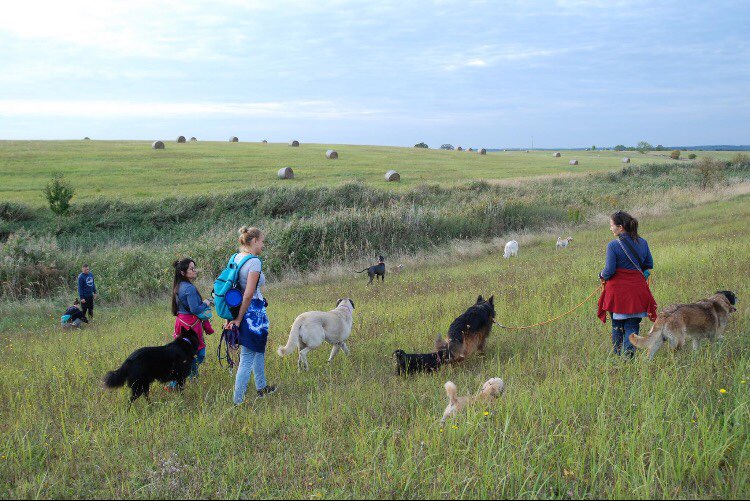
(83, 301)
(236, 323)
(96, 296)
(207, 302)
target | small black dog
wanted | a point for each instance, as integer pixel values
(170, 362)
(376, 270)
(419, 362)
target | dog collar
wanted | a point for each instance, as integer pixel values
(186, 339)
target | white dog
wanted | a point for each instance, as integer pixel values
(563, 242)
(310, 329)
(511, 249)
(491, 389)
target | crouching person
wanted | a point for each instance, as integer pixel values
(73, 316)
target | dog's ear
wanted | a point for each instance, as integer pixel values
(184, 331)
(338, 302)
(352, 303)
(491, 300)
(480, 299)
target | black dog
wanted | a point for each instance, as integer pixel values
(376, 270)
(166, 363)
(417, 362)
(469, 332)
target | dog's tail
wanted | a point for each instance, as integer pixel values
(293, 341)
(652, 341)
(452, 391)
(115, 379)
(440, 343)
(363, 270)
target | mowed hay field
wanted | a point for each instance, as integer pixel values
(574, 422)
(131, 170)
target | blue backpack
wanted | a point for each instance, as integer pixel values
(227, 293)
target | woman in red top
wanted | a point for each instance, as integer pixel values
(626, 295)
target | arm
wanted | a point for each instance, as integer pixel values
(81, 283)
(247, 298)
(195, 305)
(648, 260)
(93, 282)
(611, 263)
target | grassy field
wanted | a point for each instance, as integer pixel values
(131, 170)
(574, 422)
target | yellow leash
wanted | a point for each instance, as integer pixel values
(557, 317)
(601, 287)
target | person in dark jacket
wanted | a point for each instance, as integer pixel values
(87, 291)
(626, 295)
(73, 315)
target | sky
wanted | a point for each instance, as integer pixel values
(493, 74)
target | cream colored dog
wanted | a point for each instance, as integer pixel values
(310, 329)
(492, 389)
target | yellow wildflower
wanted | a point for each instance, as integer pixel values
(722, 391)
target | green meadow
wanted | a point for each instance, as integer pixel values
(131, 170)
(574, 422)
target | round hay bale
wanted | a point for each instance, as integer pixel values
(181, 139)
(193, 139)
(483, 151)
(459, 149)
(332, 154)
(234, 139)
(557, 155)
(392, 175)
(286, 173)
(470, 149)
(264, 142)
(574, 162)
(157, 145)
(294, 143)
(625, 160)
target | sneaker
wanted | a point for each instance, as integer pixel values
(266, 391)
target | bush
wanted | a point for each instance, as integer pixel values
(710, 172)
(741, 159)
(447, 147)
(692, 156)
(58, 194)
(675, 155)
(421, 145)
(28, 266)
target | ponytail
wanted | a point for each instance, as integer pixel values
(628, 223)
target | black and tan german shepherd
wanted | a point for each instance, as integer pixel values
(469, 332)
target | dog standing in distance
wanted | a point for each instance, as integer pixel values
(166, 363)
(511, 249)
(469, 332)
(491, 389)
(706, 319)
(310, 329)
(377, 270)
(562, 243)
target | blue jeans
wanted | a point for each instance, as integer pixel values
(621, 331)
(251, 362)
(200, 357)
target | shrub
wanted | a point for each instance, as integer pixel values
(421, 145)
(692, 156)
(710, 172)
(28, 266)
(741, 159)
(447, 147)
(675, 155)
(58, 194)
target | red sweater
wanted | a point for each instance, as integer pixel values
(626, 292)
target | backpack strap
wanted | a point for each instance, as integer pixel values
(243, 261)
(637, 260)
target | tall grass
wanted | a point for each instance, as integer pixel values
(574, 422)
(132, 244)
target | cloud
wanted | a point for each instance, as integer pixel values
(124, 109)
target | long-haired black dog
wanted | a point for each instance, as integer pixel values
(407, 363)
(469, 332)
(170, 362)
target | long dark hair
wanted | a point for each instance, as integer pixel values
(180, 268)
(628, 223)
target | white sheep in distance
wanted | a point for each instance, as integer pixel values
(563, 242)
(511, 249)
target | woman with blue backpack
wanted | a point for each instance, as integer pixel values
(250, 317)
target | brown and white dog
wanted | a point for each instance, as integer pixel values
(491, 389)
(706, 319)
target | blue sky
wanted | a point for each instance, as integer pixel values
(568, 73)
